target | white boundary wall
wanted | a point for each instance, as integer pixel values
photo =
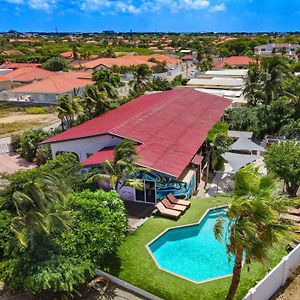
(276, 278)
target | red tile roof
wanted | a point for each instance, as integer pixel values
(234, 61)
(104, 154)
(9, 65)
(171, 126)
(27, 74)
(161, 58)
(53, 85)
(118, 61)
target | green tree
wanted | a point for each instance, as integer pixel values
(99, 227)
(56, 64)
(283, 160)
(160, 84)
(29, 143)
(68, 108)
(122, 170)
(36, 212)
(141, 81)
(254, 224)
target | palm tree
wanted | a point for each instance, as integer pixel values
(275, 69)
(36, 209)
(94, 101)
(140, 83)
(122, 170)
(67, 109)
(254, 224)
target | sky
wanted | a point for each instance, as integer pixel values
(150, 15)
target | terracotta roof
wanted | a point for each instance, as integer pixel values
(9, 65)
(27, 74)
(171, 127)
(104, 154)
(234, 61)
(12, 52)
(123, 61)
(53, 85)
(162, 58)
(68, 54)
(79, 74)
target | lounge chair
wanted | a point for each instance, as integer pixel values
(171, 213)
(290, 217)
(170, 205)
(174, 200)
(294, 211)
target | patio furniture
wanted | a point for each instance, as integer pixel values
(170, 205)
(294, 211)
(174, 200)
(171, 213)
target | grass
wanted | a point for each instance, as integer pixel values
(138, 268)
(6, 128)
(7, 109)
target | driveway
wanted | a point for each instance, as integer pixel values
(10, 163)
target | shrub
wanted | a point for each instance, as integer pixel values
(43, 154)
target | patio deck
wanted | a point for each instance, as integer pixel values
(138, 209)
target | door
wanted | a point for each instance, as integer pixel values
(147, 194)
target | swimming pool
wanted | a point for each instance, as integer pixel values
(192, 252)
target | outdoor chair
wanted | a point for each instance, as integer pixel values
(170, 205)
(174, 200)
(171, 213)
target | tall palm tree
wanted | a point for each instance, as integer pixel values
(94, 100)
(36, 209)
(141, 81)
(122, 170)
(275, 69)
(254, 224)
(68, 108)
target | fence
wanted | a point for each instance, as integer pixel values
(276, 278)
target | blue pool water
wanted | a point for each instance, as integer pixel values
(192, 251)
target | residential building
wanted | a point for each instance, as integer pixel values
(169, 129)
(275, 49)
(235, 62)
(48, 90)
(9, 65)
(23, 76)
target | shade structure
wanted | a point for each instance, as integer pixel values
(244, 144)
(239, 134)
(238, 161)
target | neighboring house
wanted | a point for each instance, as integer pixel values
(49, 89)
(275, 49)
(9, 65)
(12, 53)
(169, 129)
(235, 62)
(227, 83)
(123, 61)
(67, 55)
(23, 76)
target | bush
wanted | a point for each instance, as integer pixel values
(43, 154)
(56, 64)
(29, 142)
(99, 226)
(15, 142)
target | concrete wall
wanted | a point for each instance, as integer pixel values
(84, 146)
(276, 278)
(5, 85)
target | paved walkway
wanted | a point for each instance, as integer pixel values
(10, 163)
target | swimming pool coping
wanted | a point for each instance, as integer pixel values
(181, 226)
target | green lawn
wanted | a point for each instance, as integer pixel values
(138, 268)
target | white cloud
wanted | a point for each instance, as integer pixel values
(42, 4)
(123, 6)
(218, 7)
(15, 1)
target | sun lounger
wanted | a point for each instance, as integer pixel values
(291, 217)
(294, 211)
(174, 200)
(171, 213)
(170, 205)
